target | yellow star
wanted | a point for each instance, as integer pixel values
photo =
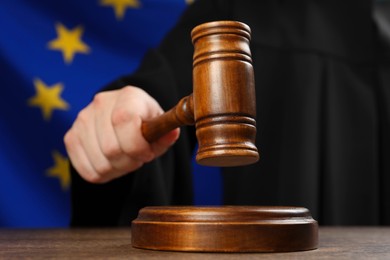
(69, 42)
(48, 98)
(60, 170)
(120, 6)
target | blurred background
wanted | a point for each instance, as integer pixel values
(54, 55)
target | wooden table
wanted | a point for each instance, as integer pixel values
(335, 243)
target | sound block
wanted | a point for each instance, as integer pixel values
(225, 229)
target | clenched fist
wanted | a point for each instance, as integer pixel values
(105, 141)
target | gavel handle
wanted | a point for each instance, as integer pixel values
(180, 115)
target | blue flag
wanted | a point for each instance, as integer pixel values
(54, 55)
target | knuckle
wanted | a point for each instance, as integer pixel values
(99, 99)
(110, 150)
(71, 141)
(82, 117)
(141, 154)
(95, 178)
(121, 116)
(135, 165)
(104, 169)
(68, 138)
(100, 174)
(88, 174)
(131, 90)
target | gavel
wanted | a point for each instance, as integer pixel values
(223, 109)
(222, 105)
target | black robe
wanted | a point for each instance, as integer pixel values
(323, 111)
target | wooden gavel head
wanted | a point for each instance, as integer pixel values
(224, 94)
(223, 105)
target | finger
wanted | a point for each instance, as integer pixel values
(110, 147)
(105, 134)
(84, 126)
(165, 142)
(127, 123)
(126, 164)
(78, 157)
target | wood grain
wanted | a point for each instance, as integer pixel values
(115, 243)
(222, 105)
(225, 229)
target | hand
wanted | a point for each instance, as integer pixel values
(106, 142)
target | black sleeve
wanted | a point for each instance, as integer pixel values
(166, 74)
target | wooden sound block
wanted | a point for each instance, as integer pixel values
(225, 229)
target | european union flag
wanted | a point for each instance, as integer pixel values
(54, 55)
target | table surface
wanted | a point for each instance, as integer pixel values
(108, 243)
